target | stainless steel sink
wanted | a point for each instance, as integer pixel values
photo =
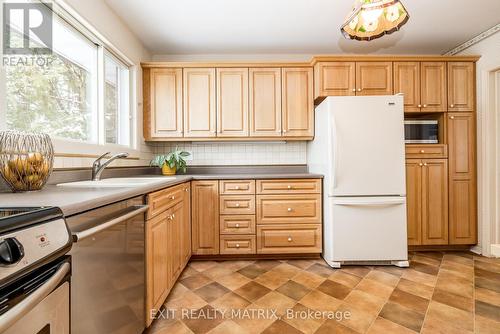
(118, 182)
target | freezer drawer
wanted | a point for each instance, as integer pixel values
(368, 228)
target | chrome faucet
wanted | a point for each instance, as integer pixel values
(98, 166)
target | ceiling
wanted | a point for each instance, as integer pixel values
(227, 27)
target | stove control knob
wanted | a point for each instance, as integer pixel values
(11, 251)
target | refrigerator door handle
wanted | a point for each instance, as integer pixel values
(369, 201)
(335, 152)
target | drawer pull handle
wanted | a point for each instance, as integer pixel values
(289, 209)
(237, 245)
(290, 239)
(237, 225)
(422, 151)
(237, 205)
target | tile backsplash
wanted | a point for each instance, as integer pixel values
(234, 153)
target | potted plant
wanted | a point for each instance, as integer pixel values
(171, 162)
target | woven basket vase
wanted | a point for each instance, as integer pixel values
(26, 159)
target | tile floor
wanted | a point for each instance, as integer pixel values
(451, 292)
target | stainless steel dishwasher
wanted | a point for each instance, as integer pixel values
(107, 287)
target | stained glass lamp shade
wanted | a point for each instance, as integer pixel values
(370, 19)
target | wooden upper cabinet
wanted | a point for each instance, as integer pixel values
(297, 102)
(433, 86)
(461, 86)
(163, 104)
(407, 82)
(205, 217)
(265, 102)
(435, 202)
(335, 79)
(199, 102)
(232, 102)
(414, 201)
(461, 145)
(374, 78)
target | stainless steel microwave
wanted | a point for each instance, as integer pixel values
(419, 131)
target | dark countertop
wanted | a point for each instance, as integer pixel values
(77, 200)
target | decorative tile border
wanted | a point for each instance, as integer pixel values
(475, 40)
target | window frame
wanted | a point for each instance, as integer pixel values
(81, 26)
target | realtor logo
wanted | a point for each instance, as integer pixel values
(27, 28)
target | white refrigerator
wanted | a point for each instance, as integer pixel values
(359, 148)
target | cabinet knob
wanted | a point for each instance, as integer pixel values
(172, 198)
(452, 105)
(237, 225)
(186, 189)
(173, 215)
(422, 151)
(425, 105)
(284, 131)
(420, 106)
(278, 131)
(169, 217)
(420, 164)
(237, 188)
(289, 187)
(289, 209)
(354, 89)
(452, 117)
(425, 164)
(359, 89)
(290, 239)
(237, 245)
(237, 205)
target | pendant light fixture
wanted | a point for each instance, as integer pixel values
(370, 19)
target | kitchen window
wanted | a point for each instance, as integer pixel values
(82, 93)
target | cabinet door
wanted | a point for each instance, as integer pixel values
(407, 82)
(462, 175)
(435, 202)
(205, 217)
(175, 219)
(232, 102)
(186, 224)
(335, 79)
(157, 278)
(374, 78)
(163, 103)
(414, 200)
(461, 83)
(199, 102)
(297, 102)
(433, 86)
(265, 102)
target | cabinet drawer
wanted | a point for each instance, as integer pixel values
(296, 238)
(286, 186)
(426, 151)
(237, 224)
(160, 201)
(237, 187)
(282, 209)
(237, 205)
(237, 244)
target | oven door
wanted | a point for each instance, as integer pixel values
(38, 303)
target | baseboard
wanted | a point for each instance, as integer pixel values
(236, 257)
(495, 250)
(440, 248)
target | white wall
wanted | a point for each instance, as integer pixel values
(487, 141)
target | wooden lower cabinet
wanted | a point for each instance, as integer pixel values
(427, 201)
(186, 224)
(289, 238)
(205, 217)
(237, 244)
(462, 178)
